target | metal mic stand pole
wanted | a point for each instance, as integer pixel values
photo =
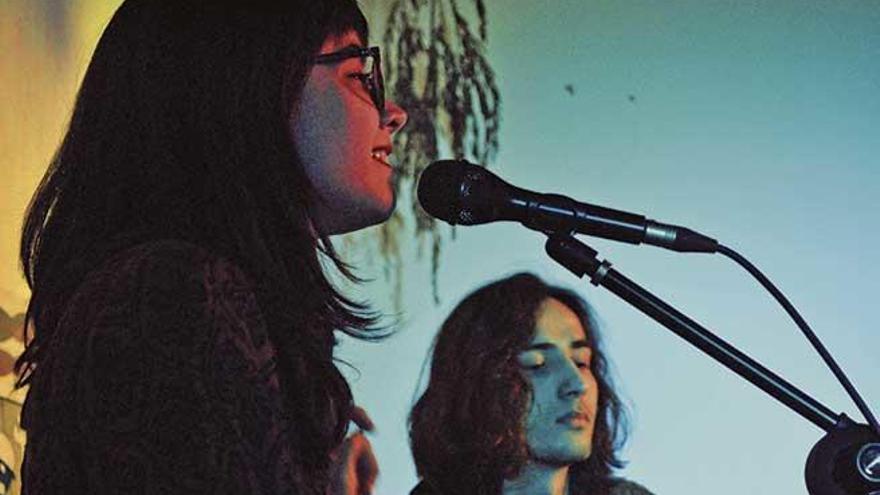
(829, 470)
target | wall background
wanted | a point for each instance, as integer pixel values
(753, 121)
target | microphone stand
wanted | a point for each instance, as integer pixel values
(846, 461)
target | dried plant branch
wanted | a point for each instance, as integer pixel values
(437, 70)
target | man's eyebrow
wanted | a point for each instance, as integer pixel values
(543, 346)
(539, 347)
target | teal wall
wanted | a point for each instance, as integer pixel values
(752, 121)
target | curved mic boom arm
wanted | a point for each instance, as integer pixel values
(845, 462)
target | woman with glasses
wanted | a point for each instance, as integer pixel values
(519, 399)
(182, 321)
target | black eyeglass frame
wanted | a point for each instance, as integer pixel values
(375, 82)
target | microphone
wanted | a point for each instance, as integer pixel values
(461, 193)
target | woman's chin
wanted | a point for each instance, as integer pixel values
(382, 207)
(368, 214)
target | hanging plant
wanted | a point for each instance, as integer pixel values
(437, 70)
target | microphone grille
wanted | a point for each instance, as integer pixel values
(440, 187)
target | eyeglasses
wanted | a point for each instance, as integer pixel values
(371, 77)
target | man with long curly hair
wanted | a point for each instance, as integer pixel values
(519, 399)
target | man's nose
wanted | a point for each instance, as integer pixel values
(572, 383)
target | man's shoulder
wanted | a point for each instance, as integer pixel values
(623, 486)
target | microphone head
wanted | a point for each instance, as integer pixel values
(459, 192)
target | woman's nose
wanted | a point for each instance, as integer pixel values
(394, 117)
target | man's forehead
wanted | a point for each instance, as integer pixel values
(556, 322)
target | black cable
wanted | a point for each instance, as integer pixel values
(807, 331)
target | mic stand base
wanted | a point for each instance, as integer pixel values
(846, 461)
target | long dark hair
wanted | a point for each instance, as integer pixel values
(467, 429)
(180, 131)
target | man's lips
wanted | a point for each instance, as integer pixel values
(574, 418)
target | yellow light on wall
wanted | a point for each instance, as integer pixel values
(46, 46)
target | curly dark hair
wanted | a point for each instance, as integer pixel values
(467, 429)
(180, 131)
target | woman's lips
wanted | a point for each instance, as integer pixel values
(381, 156)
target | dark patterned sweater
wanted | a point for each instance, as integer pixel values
(160, 378)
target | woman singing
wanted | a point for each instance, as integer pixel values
(183, 323)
